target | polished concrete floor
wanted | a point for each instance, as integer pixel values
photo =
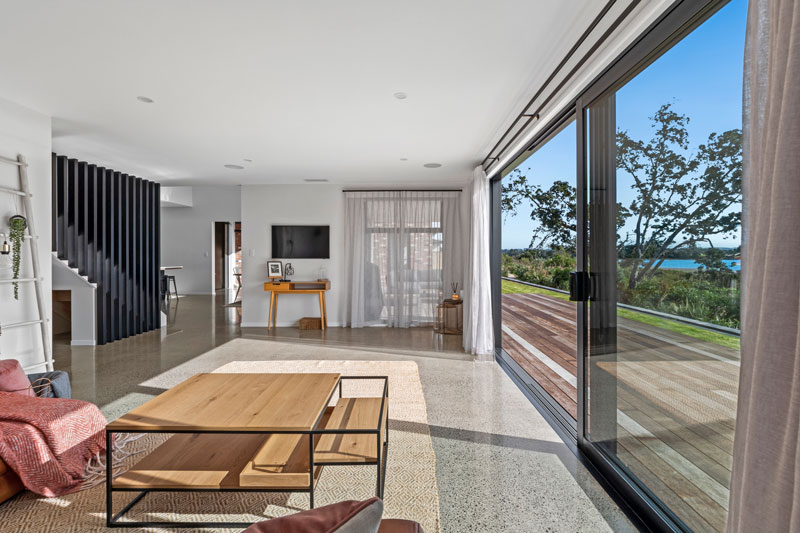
(500, 466)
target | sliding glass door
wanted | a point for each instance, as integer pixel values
(663, 257)
(539, 322)
(638, 364)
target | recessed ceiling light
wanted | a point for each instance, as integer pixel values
(234, 167)
(403, 159)
(145, 99)
(400, 96)
(432, 165)
(315, 180)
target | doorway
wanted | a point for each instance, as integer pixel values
(237, 262)
(220, 255)
(228, 260)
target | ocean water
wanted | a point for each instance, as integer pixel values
(674, 264)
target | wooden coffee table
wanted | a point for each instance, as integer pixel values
(250, 433)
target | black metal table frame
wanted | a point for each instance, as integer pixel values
(112, 520)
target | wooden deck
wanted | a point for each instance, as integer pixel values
(676, 400)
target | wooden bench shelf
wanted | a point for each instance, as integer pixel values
(351, 413)
(281, 461)
(223, 461)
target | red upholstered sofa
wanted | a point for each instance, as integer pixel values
(392, 525)
(343, 517)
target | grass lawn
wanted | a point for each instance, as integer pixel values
(510, 287)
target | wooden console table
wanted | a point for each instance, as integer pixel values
(276, 288)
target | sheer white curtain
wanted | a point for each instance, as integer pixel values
(478, 330)
(401, 247)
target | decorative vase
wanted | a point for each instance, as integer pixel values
(5, 258)
(454, 286)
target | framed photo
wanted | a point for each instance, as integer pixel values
(274, 269)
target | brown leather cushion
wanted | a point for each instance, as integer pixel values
(343, 517)
(10, 484)
(392, 525)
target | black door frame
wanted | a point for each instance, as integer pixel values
(637, 501)
(550, 408)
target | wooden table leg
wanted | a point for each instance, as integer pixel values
(275, 312)
(271, 299)
(321, 312)
(324, 310)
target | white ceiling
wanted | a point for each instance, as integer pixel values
(304, 88)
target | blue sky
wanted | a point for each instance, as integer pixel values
(701, 76)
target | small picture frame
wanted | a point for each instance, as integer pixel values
(274, 270)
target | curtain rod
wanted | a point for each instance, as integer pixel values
(524, 114)
(402, 190)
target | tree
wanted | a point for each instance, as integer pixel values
(712, 260)
(553, 210)
(681, 199)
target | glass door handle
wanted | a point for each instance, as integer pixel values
(580, 286)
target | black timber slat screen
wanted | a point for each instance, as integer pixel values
(122, 214)
(119, 200)
(106, 224)
(80, 219)
(59, 223)
(69, 212)
(155, 253)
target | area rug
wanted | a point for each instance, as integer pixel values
(411, 491)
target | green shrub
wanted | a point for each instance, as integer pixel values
(711, 297)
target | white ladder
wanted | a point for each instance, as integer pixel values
(37, 280)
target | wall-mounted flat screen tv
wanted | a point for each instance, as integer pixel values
(301, 242)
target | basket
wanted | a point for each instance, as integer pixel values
(310, 322)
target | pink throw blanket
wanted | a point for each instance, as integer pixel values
(49, 442)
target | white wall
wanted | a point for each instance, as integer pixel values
(187, 236)
(264, 205)
(26, 132)
(176, 196)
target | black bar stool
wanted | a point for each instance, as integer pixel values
(166, 294)
(171, 279)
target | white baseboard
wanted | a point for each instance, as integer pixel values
(253, 324)
(292, 324)
(82, 343)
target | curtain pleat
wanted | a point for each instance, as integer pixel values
(765, 482)
(478, 329)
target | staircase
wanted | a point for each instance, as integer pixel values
(75, 271)
(78, 300)
(106, 229)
